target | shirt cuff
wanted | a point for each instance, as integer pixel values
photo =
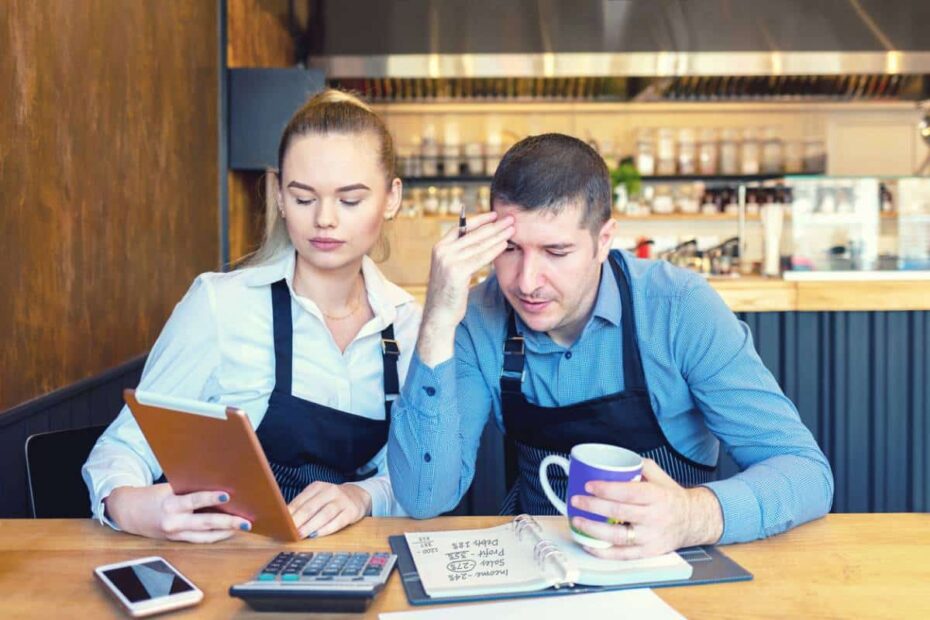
(380, 501)
(429, 390)
(104, 488)
(742, 516)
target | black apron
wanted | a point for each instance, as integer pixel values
(623, 419)
(306, 442)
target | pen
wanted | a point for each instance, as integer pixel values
(462, 222)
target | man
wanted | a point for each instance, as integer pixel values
(568, 343)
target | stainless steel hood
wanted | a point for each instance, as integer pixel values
(453, 39)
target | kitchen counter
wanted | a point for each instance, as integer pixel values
(758, 294)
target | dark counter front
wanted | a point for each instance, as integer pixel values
(860, 382)
(859, 379)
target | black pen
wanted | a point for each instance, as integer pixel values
(462, 227)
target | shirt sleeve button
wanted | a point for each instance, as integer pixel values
(427, 457)
(430, 390)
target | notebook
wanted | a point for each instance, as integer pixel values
(535, 556)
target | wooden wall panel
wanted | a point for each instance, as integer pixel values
(108, 180)
(246, 213)
(257, 34)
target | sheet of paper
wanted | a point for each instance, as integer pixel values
(489, 559)
(616, 605)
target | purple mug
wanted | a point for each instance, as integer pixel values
(590, 461)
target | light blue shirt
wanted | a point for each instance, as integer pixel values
(707, 385)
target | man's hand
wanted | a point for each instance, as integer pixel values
(657, 515)
(454, 261)
(156, 512)
(323, 508)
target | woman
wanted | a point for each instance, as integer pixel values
(304, 338)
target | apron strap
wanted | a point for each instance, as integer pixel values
(633, 375)
(283, 335)
(514, 359)
(390, 353)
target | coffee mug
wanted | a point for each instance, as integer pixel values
(590, 461)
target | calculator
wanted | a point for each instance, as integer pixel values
(322, 581)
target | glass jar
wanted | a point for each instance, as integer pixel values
(429, 157)
(665, 152)
(451, 160)
(687, 152)
(662, 202)
(474, 159)
(773, 156)
(794, 159)
(815, 158)
(729, 152)
(749, 152)
(431, 201)
(645, 152)
(484, 198)
(707, 152)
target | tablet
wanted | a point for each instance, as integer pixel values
(210, 447)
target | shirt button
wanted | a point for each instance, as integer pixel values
(430, 391)
(568, 355)
(427, 457)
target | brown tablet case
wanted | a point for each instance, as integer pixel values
(203, 453)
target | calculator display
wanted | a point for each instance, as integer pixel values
(143, 582)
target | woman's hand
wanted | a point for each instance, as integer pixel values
(323, 508)
(156, 512)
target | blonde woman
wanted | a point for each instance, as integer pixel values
(308, 338)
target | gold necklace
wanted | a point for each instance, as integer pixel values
(358, 304)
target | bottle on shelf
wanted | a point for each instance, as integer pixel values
(707, 152)
(749, 152)
(729, 152)
(687, 152)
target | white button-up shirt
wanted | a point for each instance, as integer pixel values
(218, 346)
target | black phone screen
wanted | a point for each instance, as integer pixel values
(143, 582)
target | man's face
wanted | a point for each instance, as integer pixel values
(550, 271)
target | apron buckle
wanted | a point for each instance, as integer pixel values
(389, 347)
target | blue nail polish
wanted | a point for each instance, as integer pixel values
(312, 535)
(224, 498)
(245, 527)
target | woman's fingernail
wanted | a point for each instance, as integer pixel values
(224, 498)
(575, 501)
(589, 488)
(245, 527)
(312, 534)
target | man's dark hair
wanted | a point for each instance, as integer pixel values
(551, 171)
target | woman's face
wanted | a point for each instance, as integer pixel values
(334, 197)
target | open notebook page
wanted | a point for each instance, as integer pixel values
(472, 562)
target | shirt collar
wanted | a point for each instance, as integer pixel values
(607, 307)
(384, 296)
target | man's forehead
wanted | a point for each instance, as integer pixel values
(545, 226)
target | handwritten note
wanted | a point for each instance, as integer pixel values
(475, 561)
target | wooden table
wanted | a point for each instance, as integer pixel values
(843, 566)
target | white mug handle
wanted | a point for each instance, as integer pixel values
(562, 462)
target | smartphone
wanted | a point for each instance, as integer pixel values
(147, 586)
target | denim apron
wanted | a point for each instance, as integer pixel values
(623, 419)
(306, 442)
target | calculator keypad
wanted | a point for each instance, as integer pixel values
(308, 566)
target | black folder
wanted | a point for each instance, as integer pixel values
(709, 563)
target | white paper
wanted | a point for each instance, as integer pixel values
(464, 562)
(619, 604)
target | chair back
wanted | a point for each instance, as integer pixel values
(53, 470)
